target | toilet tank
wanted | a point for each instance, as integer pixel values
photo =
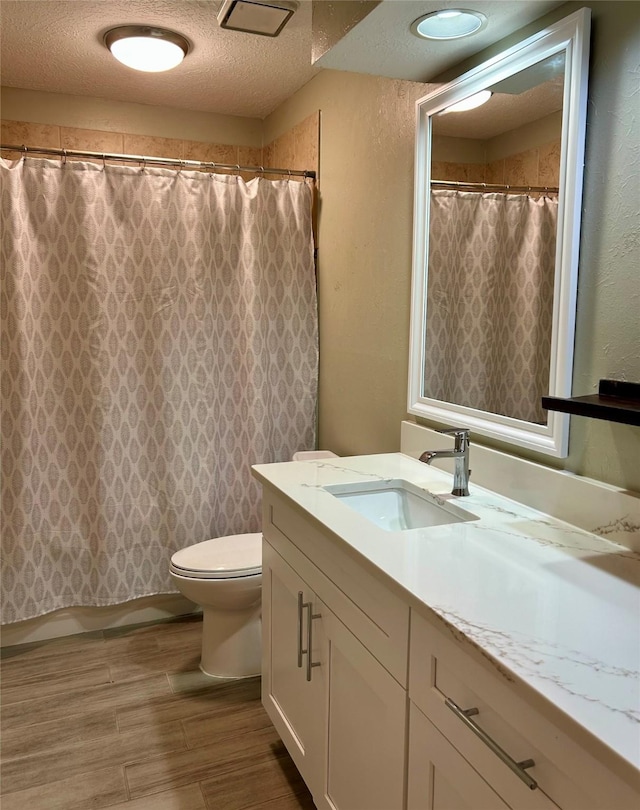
(312, 455)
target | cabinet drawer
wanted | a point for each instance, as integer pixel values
(441, 669)
(374, 614)
(438, 777)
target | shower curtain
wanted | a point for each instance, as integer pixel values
(159, 336)
(490, 301)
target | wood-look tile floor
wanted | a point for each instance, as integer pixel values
(124, 719)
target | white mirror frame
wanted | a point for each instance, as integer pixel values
(572, 36)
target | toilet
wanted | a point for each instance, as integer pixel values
(224, 576)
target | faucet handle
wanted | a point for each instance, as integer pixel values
(461, 436)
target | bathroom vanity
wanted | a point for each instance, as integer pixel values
(484, 658)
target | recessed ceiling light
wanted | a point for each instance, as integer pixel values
(470, 103)
(145, 48)
(449, 23)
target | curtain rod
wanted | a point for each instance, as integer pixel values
(494, 186)
(158, 161)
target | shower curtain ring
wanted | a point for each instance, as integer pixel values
(24, 151)
(104, 161)
(64, 157)
(261, 171)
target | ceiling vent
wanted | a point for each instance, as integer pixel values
(266, 18)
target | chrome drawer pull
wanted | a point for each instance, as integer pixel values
(310, 617)
(517, 767)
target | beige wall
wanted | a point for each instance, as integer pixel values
(608, 320)
(364, 256)
(119, 116)
(524, 138)
(366, 165)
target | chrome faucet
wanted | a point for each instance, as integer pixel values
(460, 453)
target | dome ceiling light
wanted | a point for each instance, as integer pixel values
(264, 17)
(470, 103)
(449, 23)
(147, 48)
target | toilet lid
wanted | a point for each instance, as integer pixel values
(237, 555)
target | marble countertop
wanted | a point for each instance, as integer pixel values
(551, 604)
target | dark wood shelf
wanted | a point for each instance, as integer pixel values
(615, 401)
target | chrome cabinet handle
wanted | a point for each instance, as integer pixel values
(517, 767)
(300, 650)
(310, 617)
(302, 605)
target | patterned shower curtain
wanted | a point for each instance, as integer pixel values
(490, 301)
(159, 336)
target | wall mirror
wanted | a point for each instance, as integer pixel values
(498, 191)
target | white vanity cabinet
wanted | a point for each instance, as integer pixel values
(383, 704)
(339, 711)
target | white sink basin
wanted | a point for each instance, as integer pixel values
(397, 505)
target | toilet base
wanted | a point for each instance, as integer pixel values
(231, 642)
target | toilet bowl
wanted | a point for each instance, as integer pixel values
(224, 576)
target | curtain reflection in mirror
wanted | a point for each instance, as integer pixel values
(490, 301)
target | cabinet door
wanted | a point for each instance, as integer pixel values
(294, 704)
(365, 734)
(439, 778)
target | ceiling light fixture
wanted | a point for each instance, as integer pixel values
(470, 103)
(449, 23)
(264, 17)
(147, 48)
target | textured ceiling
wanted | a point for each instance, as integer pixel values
(56, 46)
(381, 43)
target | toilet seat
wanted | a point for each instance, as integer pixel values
(237, 555)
